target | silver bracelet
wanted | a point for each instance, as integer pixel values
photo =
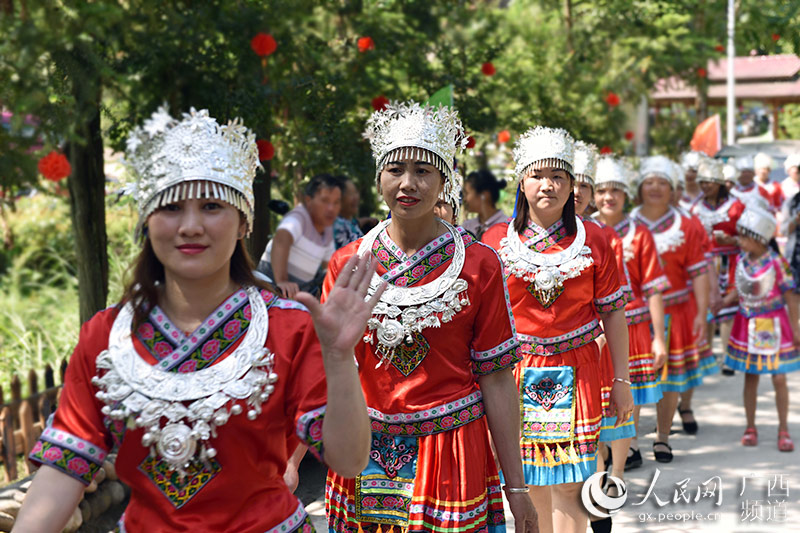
(622, 380)
(516, 490)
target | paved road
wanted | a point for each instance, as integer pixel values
(770, 476)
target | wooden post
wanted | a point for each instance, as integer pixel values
(63, 370)
(9, 447)
(775, 120)
(49, 379)
(33, 392)
(25, 444)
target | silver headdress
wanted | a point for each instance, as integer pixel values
(791, 161)
(612, 172)
(194, 157)
(728, 172)
(710, 170)
(762, 160)
(690, 160)
(745, 162)
(542, 147)
(409, 130)
(757, 222)
(585, 162)
(658, 166)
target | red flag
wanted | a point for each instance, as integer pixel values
(708, 136)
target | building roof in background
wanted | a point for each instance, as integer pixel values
(777, 67)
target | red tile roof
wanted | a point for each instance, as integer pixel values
(756, 67)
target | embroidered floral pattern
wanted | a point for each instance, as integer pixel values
(697, 269)
(391, 455)
(563, 343)
(179, 491)
(677, 297)
(540, 240)
(309, 431)
(81, 466)
(612, 302)
(637, 316)
(498, 358)
(298, 521)
(546, 392)
(658, 285)
(407, 356)
(430, 421)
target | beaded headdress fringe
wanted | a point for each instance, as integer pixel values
(195, 190)
(550, 162)
(747, 232)
(583, 178)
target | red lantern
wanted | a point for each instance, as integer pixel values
(503, 137)
(265, 150)
(488, 69)
(719, 48)
(775, 37)
(629, 135)
(54, 166)
(701, 72)
(612, 99)
(379, 103)
(605, 150)
(470, 142)
(263, 44)
(365, 43)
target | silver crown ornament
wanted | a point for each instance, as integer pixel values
(585, 162)
(194, 157)
(612, 172)
(658, 166)
(710, 170)
(690, 160)
(757, 222)
(409, 130)
(542, 147)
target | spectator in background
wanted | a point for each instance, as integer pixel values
(791, 185)
(481, 194)
(346, 229)
(763, 164)
(296, 258)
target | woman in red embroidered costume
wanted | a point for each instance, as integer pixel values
(645, 307)
(436, 360)
(680, 244)
(562, 281)
(197, 396)
(719, 211)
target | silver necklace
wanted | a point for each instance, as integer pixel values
(403, 311)
(712, 217)
(547, 271)
(142, 394)
(754, 289)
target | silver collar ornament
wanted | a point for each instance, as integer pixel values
(753, 290)
(180, 412)
(711, 217)
(668, 240)
(403, 311)
(547, 272)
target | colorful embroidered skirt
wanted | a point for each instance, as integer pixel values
(683, 363)
(607, 430)
(726, 270)
(447, 481)
(763, 344)
(644, 378)
(561, 413)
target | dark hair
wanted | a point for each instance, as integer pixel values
(148, 270)
(322, 180)
(484, 180)
(567, 214)
(723, 193)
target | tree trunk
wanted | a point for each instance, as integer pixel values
(87, 205)
(568, 23)
(261, 222)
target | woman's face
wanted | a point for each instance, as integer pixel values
(410, 188)
(195, 239)
(547, 191)
(583, 196)
(472, 198)
(656, 192)
(710, 189)
(609, 200)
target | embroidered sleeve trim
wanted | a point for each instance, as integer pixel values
(69, 454)
(309, 431)
(698, 268)
(613, 302)
(498, 358)
(562, 343)
(655, 286)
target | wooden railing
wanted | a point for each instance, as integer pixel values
(22, 420)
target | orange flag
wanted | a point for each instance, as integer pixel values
(708, 136)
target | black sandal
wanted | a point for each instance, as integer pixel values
(634, 460)
(662, 457)
(688, 427)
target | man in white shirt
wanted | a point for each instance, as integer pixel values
(296, 258)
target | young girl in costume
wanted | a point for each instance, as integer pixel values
(436, 361)
(562, 281)
(766, 334)
(645, 308)
(199, 375)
